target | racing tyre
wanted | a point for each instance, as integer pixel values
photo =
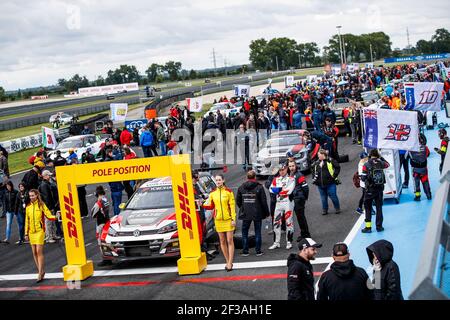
(343, 158)
(238, 241)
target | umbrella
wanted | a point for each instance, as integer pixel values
(341, 83)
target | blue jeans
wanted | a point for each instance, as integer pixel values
(329, 191)
(245, 227)
(147, 151)
(116, 200)
(162, 147)
(283, 126)
(9, 220)
(21, 223)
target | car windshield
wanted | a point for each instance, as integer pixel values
(284, 141)
(151, 198)
(65, 144)
(218, 107)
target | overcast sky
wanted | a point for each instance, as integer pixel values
(44, 40)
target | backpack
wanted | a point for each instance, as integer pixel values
(375, 174)
(356, 180)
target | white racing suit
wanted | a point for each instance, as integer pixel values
(283, 187)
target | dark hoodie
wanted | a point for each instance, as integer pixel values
(344, 281)
(300, 278)
(389, 287)
(252, 201)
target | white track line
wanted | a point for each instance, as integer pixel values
(348, 240)
(144, 271)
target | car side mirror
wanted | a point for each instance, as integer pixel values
(122, 206)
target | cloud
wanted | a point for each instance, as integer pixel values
(51, 39)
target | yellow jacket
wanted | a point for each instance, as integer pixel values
(34, 217)
(222, 200)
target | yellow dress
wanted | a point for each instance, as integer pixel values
(35, 222)
(222, 201)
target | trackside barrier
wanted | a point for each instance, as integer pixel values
(436, 240)
(192, 260)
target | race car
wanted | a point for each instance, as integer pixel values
(338, 105)
(147, 227)
(62, 118)
(80, 144)
(280, 146)
(225, 108)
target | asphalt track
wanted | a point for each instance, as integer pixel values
(257, 278)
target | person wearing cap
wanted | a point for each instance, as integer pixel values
(386, 277)
(283, 186)
(88, 157)
(344, 280)
(300, 276)
(51, 202)
(72, 155)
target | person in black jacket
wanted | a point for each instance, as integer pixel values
(10, 208)
(374, 180)
(22, 201)
(386, 278)
(252, 202)
(273, 198)
(31, 178)
(59, 159)
(344, 280)
(325, 172)
(48, 197)
(300, 195)
(300, 277)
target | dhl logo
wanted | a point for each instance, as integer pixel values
(70, 215)
(186, 219)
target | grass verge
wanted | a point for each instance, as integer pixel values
(18, 161)
(28, 131)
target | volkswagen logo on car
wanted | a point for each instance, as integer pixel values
(136, 233)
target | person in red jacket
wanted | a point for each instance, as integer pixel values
(126, 137)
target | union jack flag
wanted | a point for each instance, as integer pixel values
(370, 114)
(398, 132)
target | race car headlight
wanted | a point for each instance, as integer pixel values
(112, 232)
(169, 228)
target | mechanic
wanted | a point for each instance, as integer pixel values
(374, 180)
(444, 146)
(300, 277)
(419, 167)
(283, 186)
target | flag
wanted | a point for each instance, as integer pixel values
(424, 96)
(289, 81)
(195, 104)
(391, 129)
(119, 111)
(242, 90)
(48, 138)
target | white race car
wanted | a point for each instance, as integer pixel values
(80, 144)
(147, 227)
(225, 108)
(63, 118)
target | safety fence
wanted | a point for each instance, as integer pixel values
(432, 278)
